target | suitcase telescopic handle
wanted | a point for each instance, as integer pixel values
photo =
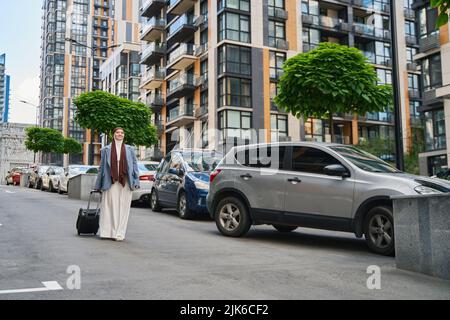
(90, 198)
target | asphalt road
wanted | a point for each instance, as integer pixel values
(165, 257)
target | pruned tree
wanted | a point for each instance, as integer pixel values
(104, 112)
(71, 146)
(331, 79)
(44, 140)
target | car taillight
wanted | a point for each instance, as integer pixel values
(147, 178)
(214, 175)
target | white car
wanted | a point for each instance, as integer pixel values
(50, 179)
(147, 171)
(72, 171)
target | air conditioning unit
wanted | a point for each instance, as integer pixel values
(282, 44)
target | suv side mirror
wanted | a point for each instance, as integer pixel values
(336, 170)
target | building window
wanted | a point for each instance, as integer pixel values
(415, 114)
(233, 26)
(428, 22)
(234, 59)
(382, 52)
(437, 164)
(274, 5)
(205, 134)
(235, 92)
(277, 32)
(243, 5)
(432, 72)
(410, 53)
(276, 61)
(314, 130)
(435, 130)
(278, 127)
(311, 39)
(235, 124)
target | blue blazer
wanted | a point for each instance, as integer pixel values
(104, 180)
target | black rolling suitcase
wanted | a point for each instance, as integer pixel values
(88, 219)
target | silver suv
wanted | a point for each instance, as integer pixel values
(314, 185)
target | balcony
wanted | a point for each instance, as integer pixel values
(182, 57)
(429, 43)
(201, 112)
(153, 29)
(326, 22)
(412, 66)
(151, 8)
(153, 53)
(372, 6)
(155, 101)
(411, 40)
(201, 49)
(181, 29)
(370, 31)
(179, 7)
(181, 86)
(410, 14)
(414, 94)
(159, 127)
(103, 24)
(102, 4)
(152, 79)
(181, 115)
(278, 14)
(202, 81)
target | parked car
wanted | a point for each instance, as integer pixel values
(72, 171)
(35, 180)
(13, 176)
(147, 170)
(182, 181)
(313, 185)
(50, 179)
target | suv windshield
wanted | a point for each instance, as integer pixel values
(202, 161)
(364, 160)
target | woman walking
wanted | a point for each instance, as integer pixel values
(118, 175)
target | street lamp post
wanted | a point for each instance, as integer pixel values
(396, 87)
(91, 85)
(37, 120)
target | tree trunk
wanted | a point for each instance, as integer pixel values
(331, 127)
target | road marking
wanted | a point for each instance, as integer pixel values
(7, 191)
(48, 286)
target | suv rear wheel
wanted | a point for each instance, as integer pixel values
(379, 230)
(232, 217)
(284, 228)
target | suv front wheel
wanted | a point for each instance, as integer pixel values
(379, 230)
(232, 217)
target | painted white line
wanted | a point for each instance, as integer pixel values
(7, 191)
(0, 224)
(48, 286)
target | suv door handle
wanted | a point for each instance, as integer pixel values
(294, 180)
(246, 176)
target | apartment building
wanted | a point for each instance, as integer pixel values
(215, 64)
(4, 90)
(77, 37)
(434, 57)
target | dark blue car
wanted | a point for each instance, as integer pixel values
(182, 181)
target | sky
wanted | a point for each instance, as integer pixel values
(20, 39)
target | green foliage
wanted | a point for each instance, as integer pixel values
(331, 79)
(44, 139)
(380, 147)
(72, 146)
(104, 112)
(444, 7)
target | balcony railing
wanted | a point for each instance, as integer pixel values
(183, 27)
(202, 111)
(430, 42)
(153, 29)
(372, 5)
(326, 22)
(186, 110)
(182, 85)
(179, 7)
(368, 30)
(152, 53)
(155, 100)
(183, 50)
(153, 78)
(151, 8)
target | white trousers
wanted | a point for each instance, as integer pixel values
(115, 211)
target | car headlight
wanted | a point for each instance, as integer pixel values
(201, 185)
(426, 190)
